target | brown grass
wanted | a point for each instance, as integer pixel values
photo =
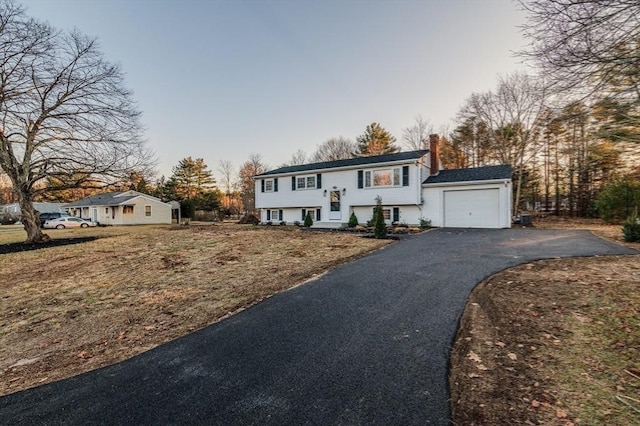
(554, 342)
(66, 310)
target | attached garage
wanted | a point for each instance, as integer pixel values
(472, 208)
(469, 198)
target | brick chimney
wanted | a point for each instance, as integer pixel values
(434, 150)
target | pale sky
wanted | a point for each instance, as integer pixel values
(221, 80)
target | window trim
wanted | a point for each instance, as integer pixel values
(386, 211)
(316, 213)
(267, 183)
(395, 178)
(147, 210)
(305, 179)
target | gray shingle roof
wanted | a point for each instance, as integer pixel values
(358, 161)
(466, 175)
(107, 199)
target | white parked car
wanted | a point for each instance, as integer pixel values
(68, 222)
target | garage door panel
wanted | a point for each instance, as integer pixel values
(478, 208)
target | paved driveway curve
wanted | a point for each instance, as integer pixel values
(368, 343)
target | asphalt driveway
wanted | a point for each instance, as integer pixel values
(367, 343)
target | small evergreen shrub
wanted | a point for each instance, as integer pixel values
(353, 221)
(425, 223)
(631, 229)
(307, 220)
(379, 227)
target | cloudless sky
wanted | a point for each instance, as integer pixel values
(224, 79)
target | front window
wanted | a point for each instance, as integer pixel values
(268, 185)
(147, 211)
(127, 209)
(386, 213)
(302, 183)
(275, 215)
(306, 182)
(381, 178)
(311, 181)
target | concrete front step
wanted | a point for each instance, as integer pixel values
(329, 225)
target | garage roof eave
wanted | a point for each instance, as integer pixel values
(467, 182)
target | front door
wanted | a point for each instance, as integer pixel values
(94, 214)
(334, 210)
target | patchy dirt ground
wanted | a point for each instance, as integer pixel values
(69, 309)
(554, 342)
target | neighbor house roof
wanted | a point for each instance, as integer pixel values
(350, 162)
(474, 174)
(108, 199)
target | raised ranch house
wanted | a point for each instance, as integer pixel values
(122, 208)
(411, 184)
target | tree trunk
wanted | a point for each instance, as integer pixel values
(31, 221)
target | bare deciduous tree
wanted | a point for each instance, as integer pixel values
(512, 116)
(339, 148)
(254, 166)
(584, 42)
(298, 157)
(227, 171)
(591, 50)
(64, 111)
(416, 137)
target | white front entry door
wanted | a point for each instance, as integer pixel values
(334, 206)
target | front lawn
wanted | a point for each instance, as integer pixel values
(69, 309)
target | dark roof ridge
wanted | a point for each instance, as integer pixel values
(356, 161)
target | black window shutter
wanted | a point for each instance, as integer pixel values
(275, 185)
(360, 178)
(396, 214)
(293, 183)
(318, 181)
(280, 214)
(405, 176)
(268, 215)
(261, 185)
(318, 217)
(304, 213)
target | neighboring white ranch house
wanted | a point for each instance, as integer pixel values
(462, 198)
(121, 208)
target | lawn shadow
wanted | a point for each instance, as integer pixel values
(18, 247)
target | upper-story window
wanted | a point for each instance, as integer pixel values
(306, 182)
(383, 177)
(268, 185)
(395, 176)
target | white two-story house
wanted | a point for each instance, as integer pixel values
(411, 185)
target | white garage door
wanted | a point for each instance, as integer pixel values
(476, 208)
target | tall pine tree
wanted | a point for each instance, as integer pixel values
(192, 178)
(375, 140)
